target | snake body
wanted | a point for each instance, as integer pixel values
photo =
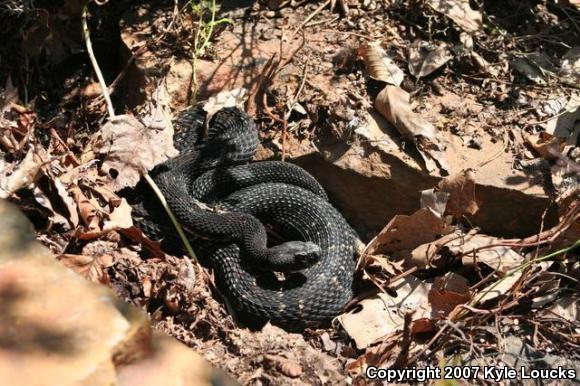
(316, 256)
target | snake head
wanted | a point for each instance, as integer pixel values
(293, 256)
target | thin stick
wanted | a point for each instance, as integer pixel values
(111, 111)
(91, 54)
(171, 216)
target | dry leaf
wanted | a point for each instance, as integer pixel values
(135, 234)
(460, 12)
(44, 201)
(500, 258)
(425, 57)
(394, 104)
(285, 366)
(91, 267)
(570, 67)
(548, 146)
(535, 67)
(424, 256)
(461, 190)
(88, 211)
(407, 232)
(566, 307)
(69, 218)
(498, 289)
(448, 292)
(380, 66)
(567, 124)
(472, 248)
(14, 177)
(131, 149)
(434, 201)
(231, 98)
(378, 316)
(120, 217)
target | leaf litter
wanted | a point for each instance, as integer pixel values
(428, 273)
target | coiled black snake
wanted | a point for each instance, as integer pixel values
(318, 262)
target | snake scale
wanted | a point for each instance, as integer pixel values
(304, 279)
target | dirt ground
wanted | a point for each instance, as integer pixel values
(446, 132)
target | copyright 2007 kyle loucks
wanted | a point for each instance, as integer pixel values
(489, 373)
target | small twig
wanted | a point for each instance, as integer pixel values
(111, 111)
(178, 227)
(90, 52)
(403, 357)
(316, 12)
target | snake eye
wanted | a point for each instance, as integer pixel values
(307, 259)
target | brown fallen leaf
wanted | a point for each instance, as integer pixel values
(448, 292)
(407, 232)
(435, 201)
(229, 98)
(536, 67)
(67, 213)
(135, 234)
(472, 249)
(546, 145)
(91, 267)
(567, 307)
(131, 149)
(569, 70)
(500, 258)
(380, 66)
(498, 289)
(95, 257)
(285, 366)
(460, 12)
(394, 104)
(88, 212)
(14, 177)
(566, 124)
(461, 191)
(426, 57)
(16, 121)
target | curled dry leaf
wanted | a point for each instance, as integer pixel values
(87, 211)
(394, 104)
(535, 67)
(95, 258)
(461, 191)
(16, 121)
(135, 234)
(14, 177)
(131, 149)
(460, 12)
(448, 292)
(569, 70)
(62, 206)
(498, 289)
(546, 145)
(407, 232)
(566, 307)
(380, 66)
(567, 123)
(378, 316)
(434, 201)
(230, 98)
(473, 249)
(91, 267)
(285, 366)
(426, 57)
